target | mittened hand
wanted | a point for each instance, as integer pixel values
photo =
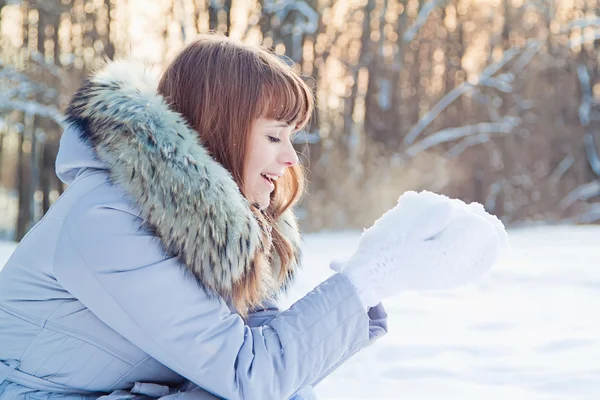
(427, 241)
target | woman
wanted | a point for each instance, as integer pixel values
(155, 273)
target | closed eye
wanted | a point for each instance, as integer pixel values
(273, 139)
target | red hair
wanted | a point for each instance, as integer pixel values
(221, 87)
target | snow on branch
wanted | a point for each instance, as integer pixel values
(50, 67)
(488, 101)
(49, 7)
(422, 17)
(435, 111)
(581, 23)
(17, 91)
(7, 72)
(467, 142)
(304, 137)
(455, 93)
(582, 192)
(538, 5)
(592, 152)
(283, 8)
(492, 197)
(505, 125)
(583, 39)
(33, 108)
(501, 83)
(486, 78)
(586, 95)
(590, 215)
(561, 169)
(16, 84)
(533, 47)
(497, 66)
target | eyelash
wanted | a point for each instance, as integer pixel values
(274, 139)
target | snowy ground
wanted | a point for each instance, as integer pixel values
(530, 330)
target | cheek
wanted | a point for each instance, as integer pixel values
(252, 170)
(251, 167)
(258, 160)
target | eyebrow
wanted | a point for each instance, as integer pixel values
(280, 125)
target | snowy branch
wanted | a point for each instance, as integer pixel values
(505, 125)
(282, 8)
(582, 192)
(488, 102)
(464, 144)
(411, 32)
(592, 152)
(500, 83)
(33, 108)
(497, 66)
(304, 137)
(533, 47)
(523, 104)
(490, 200)
(538, 5)
(578, 41)
(50, 67)
(590, 215)
(17, 91)
(182, 15)
(20, 85)
(586, 95)
(582, 23)
(561, 169)
(455, 93)
(8, 72)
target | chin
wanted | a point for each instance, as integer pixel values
(264, 205)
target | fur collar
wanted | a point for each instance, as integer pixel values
(190, 202)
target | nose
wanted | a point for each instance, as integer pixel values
(288, 156)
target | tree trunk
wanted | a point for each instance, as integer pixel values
(24, 181)
(213, 17)
(109, 46)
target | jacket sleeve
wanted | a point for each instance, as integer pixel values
(122, 275)
(377, 329)
(263, 315)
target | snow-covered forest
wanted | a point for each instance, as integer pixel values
(495, 101)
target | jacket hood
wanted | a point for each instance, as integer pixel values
(118, 122)
(74, 155)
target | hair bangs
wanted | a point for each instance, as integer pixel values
(286, 98)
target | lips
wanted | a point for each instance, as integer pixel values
(267, 177)
(268, 181)
(271, 177)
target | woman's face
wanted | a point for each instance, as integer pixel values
(270, 152)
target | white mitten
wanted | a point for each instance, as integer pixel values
(427, 241)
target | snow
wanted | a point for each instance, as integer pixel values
(529, 330)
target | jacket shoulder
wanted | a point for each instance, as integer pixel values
(95, 191)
